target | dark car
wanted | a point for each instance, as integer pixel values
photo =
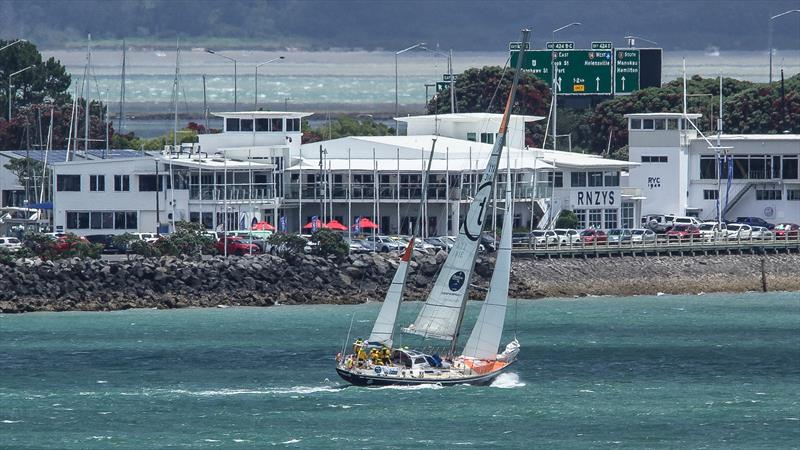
(107, 241)
(488, 242)
(755, 222)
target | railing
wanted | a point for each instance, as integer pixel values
(233, 192)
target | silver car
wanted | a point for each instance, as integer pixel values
(643, 235)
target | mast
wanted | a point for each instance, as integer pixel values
(86, 97)
(122, 90)
(175, 133)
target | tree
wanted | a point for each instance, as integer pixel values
(329, 243)
(344, 126)
(48, 81)
(567, 219)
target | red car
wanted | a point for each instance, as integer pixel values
(67, 241)
(684, 232)
(594, 236)
(786, 231)
(236, 246)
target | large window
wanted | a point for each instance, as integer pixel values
(741, 167)
(77, 220)
(68, 183)
(611, 218)
(595, 179)
(122, 182)
(147, 183)
(581, 215)
(102, 220)
(627, 214)
(790, 171)
(97, 183)
(595, 218)
(611, 178)
(231, 124)
(708, 167)
(292, 124)
(262, 125)
(276, 124)
(558, 181)
(246, 125)
(654, 159)
(793, 194)
(578, 179)
(768, 194)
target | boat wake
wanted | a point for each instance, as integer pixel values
(294, 390)
(418, 387)
(507, 381)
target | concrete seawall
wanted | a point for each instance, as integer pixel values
(94, 285)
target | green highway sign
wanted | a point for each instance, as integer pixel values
(602, 45)
(442, 85)
(584, 72)
(514, 46)
(626, 71)
(537, 62)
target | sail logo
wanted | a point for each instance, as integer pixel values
(477, 212)
(456, 281)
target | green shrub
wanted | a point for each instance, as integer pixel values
(567, 219)
(329, 243)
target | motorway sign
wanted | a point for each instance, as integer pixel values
(515, 46)
(442, 85)
(602, 45)
(537, 62)
(584, 72)
(446, 77)
(563, 45)
(626, 71)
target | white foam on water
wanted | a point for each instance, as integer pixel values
(102, 381)
(586, 391)
(10, 421)
(659, 294)
(508, 380)
(210, 440)
(241, 440)
(103, 413)
(99, 438)
(418, 387)
(271, 391)
(291, 441)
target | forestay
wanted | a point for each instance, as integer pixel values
(383, 330)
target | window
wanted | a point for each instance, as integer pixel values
(790, 171)
(661, 124)
(77, 220)
(122, 182)
(97, 183)
(636, 124)
(131, 220)
(578, 179)
(487, 138)
(559, 179)
(276, 124)
(231, 124)
(654, 159)
(627, 214)
(672, 124)
(472, 137)
(595, 218)
(768, 194)
(710, 194)
(96, 220)
(246, 125)
(776, 167)
(292, 124)
(758, 167)
(793, 194)
(147, 183)
(581, 215)
(708, 167)
(741, 166)
(595, 179)
(68, 183)
(611, 218)
(611, 178)
(262, 124)
(648, 124)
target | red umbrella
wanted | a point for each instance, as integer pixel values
(365, 223)
(262, 226)
(335, 225)
(310, 225)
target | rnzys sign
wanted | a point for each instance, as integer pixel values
(594, 197)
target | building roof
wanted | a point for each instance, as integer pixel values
(60, 155)
(760, 137)
(261, 114)
(466, 117)
(662, 115)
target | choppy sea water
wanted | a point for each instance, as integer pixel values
(708, 371)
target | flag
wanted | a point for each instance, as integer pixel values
(730, 180)
(314, 224)
(242, 222)
(282, 224)
(357, 225)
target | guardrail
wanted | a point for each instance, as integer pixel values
(662, 245)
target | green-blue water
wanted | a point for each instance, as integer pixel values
(711, 371)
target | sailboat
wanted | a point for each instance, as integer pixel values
(377, 361)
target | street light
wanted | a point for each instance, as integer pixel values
(632, 40)
(235, 99)
(449, 57)
(13, 43)
(255, 106)
(396, 100)
(770, 37)
(9, 86)
(556, 83)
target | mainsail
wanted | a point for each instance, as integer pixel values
(383, 330)
(485, 338)
(441, 314)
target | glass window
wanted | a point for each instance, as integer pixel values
(131, 220)
(741, 165)
(611, 218)
(119, 220)
(487, 138)
(122, 182)
(68, 183)
(246, 125)
(292, 124)
(710, 194)
(72, 220)
(769, 194)
(636, 124)
(97, 183)
(578, 179)
(790, 171)
(262, 124)
(627, 214)
(793, 194)
(758, 168)
(108, 219)
(96, 220)
(708, 167)
(776, 166)
(661, 124)
(581, 215)
(611, 178)
(231, 124)
(276, 124)
(672, 124)
(472, 137)
(648, 124)
(595, 218)
(558, 181)
(595, 179)
(147, 183)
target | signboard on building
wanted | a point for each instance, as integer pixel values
(594, 197)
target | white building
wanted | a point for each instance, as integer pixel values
(258, 170)
(680, 174)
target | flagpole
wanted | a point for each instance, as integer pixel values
(399, 224)
(447, 188)
(349, 199)
(300, 196)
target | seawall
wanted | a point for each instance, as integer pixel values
(265, 280)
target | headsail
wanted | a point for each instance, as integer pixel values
(383, 330)
(485, 338)
(442, 312)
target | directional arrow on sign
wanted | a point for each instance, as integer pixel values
(623, 82)
(598, 83)
(558, 86)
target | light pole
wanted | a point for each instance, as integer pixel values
(770, 37)
(13, 43)
(255, 105)
(632, 40)
(449, 57)
(556, 85)
(396, 99)
(8, 92)
(235, 99)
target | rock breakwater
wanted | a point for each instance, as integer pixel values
(265, 280)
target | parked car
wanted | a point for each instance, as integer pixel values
(384, 244)
(592, 236)
(437, 242)
(739, 231)
(358, 246)
(520, 238)
(11, 244)
(755, 222)
(712, 231)
(567, 236)
(106, 240)
(643, 235)
(488, 242)
(236, 246)
(684, 220)
(66, 241)
(786, 230)
(543, 237)
(761, 233)
(684, 232)
(659, 223)
(619, 236)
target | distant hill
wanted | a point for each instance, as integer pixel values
(376, 24)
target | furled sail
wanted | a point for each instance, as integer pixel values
(441, 314)
(383, 330)
(485, 338)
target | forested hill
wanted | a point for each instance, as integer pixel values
(395, 24)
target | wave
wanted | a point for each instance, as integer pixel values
(417, 387)
(507, 381)
(303, 390)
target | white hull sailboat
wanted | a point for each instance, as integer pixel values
(376, 361)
